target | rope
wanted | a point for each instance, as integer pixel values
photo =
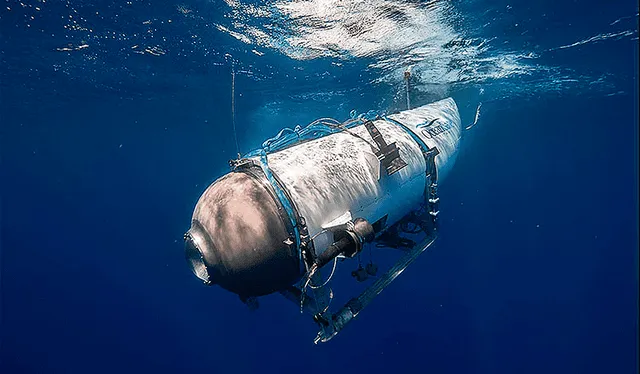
(233, 109)
(333, 270)
(343, 128)
(318, 128)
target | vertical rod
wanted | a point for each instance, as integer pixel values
(407, 75)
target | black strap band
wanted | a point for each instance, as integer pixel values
(388, 154)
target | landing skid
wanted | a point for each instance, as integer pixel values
(332, 323)
(317, 303)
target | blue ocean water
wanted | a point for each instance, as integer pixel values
(116, 116)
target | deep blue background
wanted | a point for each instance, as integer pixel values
(536, 269)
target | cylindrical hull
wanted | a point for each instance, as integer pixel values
(339, 173)
(242, 228)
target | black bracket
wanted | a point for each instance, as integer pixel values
(388, 154)
(431, 192)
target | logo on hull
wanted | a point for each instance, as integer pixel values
(434, 128)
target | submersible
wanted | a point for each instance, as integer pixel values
(313, 195)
